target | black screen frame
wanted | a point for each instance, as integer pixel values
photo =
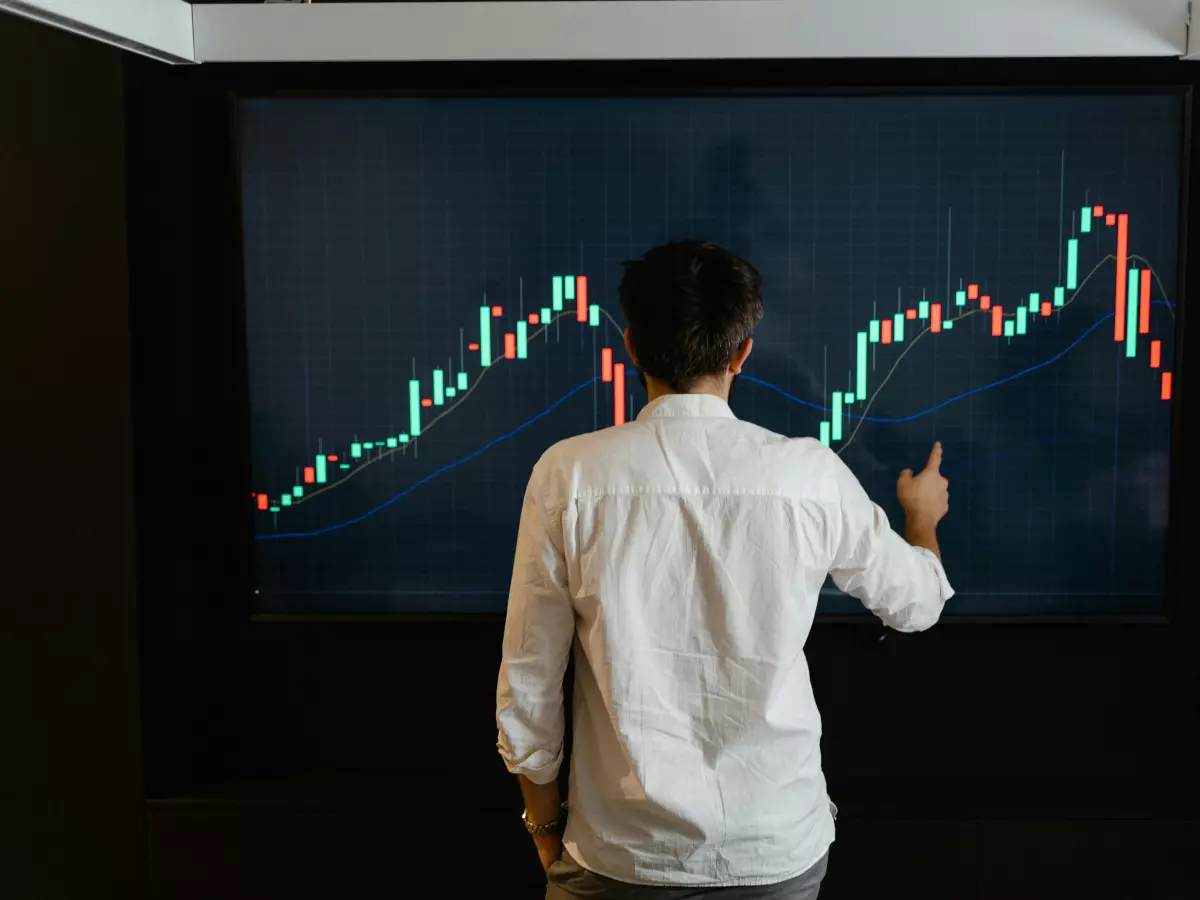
(230, 702)
(1184, 92)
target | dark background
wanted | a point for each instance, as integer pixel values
(71, 801)
(314, 760)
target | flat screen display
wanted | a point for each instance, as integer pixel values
(430, 292)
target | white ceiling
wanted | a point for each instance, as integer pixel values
(684, 29)
(628, 29)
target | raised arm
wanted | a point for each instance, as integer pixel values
(900, 580)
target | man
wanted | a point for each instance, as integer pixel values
(683, 554)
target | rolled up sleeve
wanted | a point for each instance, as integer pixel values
(905, 586)
(537, 643)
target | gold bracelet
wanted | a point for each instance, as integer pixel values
(548, 828)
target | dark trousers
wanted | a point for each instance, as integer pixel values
(567, 879)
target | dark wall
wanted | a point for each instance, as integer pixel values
(312, 760)
(70, 779)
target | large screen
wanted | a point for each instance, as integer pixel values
(430, 290)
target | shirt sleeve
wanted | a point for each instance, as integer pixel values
(905, 586)
(537, 644)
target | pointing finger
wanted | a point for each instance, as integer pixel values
(935, 457)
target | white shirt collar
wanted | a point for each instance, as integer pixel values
(686, 406)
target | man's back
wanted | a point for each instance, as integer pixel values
(682, 556)
(690, 549)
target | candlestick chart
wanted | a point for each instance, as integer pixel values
(431, 302)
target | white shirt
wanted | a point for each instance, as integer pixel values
(683, 553)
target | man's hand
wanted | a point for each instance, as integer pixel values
(542, 807)
(926, 495)
(925, 498)
(549, 848)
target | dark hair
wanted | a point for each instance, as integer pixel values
(689, 306)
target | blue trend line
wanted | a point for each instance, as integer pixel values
(777, 389)
(879, 419)
(428, 478)
(886, 421)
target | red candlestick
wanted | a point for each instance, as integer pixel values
(1122, 274)
(1144, 303)
(619, 394)
(581, 303)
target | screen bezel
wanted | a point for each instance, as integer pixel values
(1182, 91)
(230, 699)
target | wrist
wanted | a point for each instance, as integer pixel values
(549, 828)
(916, 520)
(548, 841)
(922, 532)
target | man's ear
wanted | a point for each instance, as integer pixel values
(629, 350)
(739, 358)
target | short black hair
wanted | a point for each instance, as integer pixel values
(689, 306)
